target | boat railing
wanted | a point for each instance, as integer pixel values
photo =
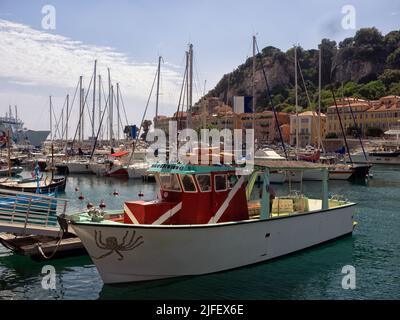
(30, 213)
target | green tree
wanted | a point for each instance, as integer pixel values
(369, 44)
(373, 90)
(393, 59)
(390, 76)
(394, 89)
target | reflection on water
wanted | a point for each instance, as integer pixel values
(374, 250)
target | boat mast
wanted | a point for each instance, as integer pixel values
(190, 86)
(66, 124)
(83, 115)
(94, 96)
(51, 121)
(297, 102)
(118, 115)
(112, 115)
(16, 113)
(254, 83)
(100, 104)
(110, 104)
(319, 97)
(80, 110)
(158, 90)
(9, 152)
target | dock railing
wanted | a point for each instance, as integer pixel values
(25, 213)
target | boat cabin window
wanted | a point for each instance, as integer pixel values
(232, 180)
(188, 183)
(169, 182)
(220, 182)
(204, 181)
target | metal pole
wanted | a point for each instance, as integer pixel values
(118, 114)
(254, 83)
(158, 90)
(297, 102)
(94, 97)
(9, 153)
(319, 98)
(66, 125)
(51, 121)
(100, 103)
(80, 109)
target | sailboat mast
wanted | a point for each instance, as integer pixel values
(110, 105)
(80, 110)
(158, 90)
(187, 90)
(100, 104)
(94, 97)
(319, 96)
(83, 115)
(66, 125)
(51, 121)
(118, 114)
(190, 92)
(297, 101)
(9, 153)
(254, 83)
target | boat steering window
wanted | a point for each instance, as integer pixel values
(188, 183)
(220, 182)
(204, 181)
(169, 182)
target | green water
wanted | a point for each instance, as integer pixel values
(374, 250)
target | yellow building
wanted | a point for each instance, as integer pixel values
(383, 113)
(307, 123)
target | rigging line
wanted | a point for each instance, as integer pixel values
(73, 101)
(341, 125)
(105, 110)
(181, 94)
(358, 132)
(118, 115)
(144, 115)
(81, 114)
(272, 102)
(85, 103)
(309, 100)
(57, 124)
(123, 106)
(304, 84)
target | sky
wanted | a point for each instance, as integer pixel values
(128, 36)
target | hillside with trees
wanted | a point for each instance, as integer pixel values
(365, 66)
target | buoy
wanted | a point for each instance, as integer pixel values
(90, 205)
(140, 194)
(102, 205)
(76, 189)
(115, 193)
(81, 197)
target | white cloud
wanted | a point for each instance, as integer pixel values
(52, 62)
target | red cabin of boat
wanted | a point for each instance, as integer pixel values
(191, 195)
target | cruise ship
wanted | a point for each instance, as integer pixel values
(20, 135)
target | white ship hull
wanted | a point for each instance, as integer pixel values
(157, 252)
(78, 167)
(359, 158)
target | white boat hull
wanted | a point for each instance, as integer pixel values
(171, 251)
(359, 158)
(78, 167)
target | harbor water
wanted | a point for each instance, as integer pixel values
(316, 273)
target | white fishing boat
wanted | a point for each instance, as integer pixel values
(78, 166)
(13, 171)
(204, 221)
